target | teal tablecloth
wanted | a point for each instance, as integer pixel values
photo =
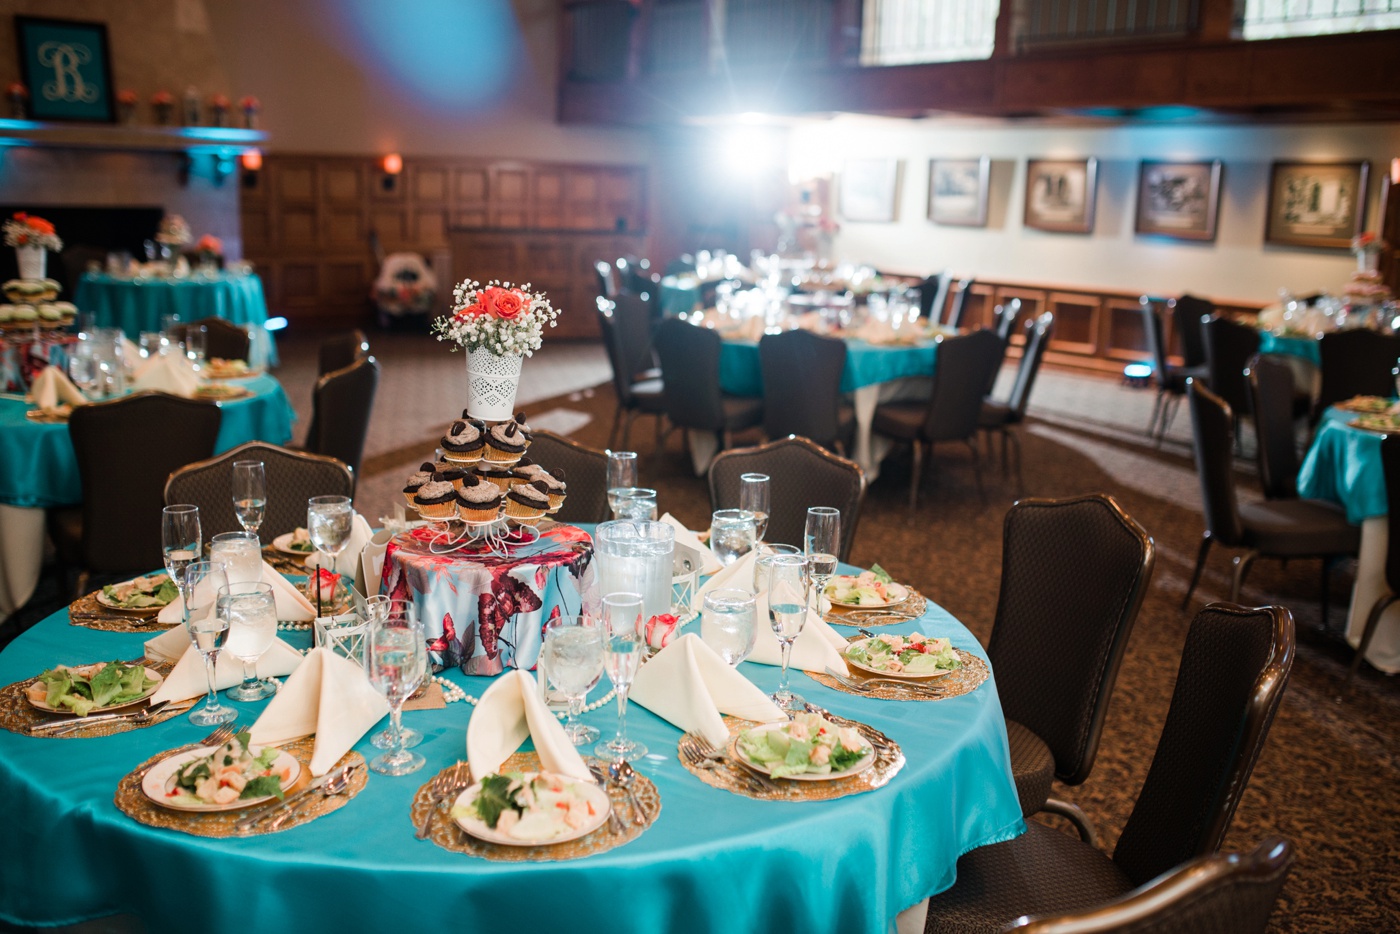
(1305, 347)
(713, 861)
(1343, 466)
(137, 305)
(740, 373)
(38, 468)
(678, 296)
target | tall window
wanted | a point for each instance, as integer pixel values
(906, 32)
(1274, 19)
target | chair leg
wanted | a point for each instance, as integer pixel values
(1242, 565)
(627, 430)
(1005, 470)
(1015, 440)
(1072, 813)
(915, 473)
(616, 425)
(82, 588)
(1372, 619)
(977, 471)
(1326, 567)
(1156, 414)
(1200, 566)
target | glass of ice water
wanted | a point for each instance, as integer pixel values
(573, 656)
(732, 534)
(727, 624)
(240, 553)
(633, 503)
(251, 611)
(396, 660)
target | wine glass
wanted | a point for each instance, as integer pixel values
(196, 342)
(622, 656)
(622, 475)
(753, 497)
(378, 607)
(821, 542)
(787, 614)
(208, 631)
(573, 650)
(396, 662)
(251, 612)
(727, 624)
(328, 521)
(732, 534)
(249, 493)
(766, 551)
(182, 543)
(82, 367)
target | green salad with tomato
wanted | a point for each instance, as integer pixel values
(914, 654)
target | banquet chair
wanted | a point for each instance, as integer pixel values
(1170, 379)
(802, 474)
(585, 470)
(606, 277)
(959, 308)
(224, 339)
(693, 398)
(1074, 573)
(1234, 667)
(960, 375)
(340, 350)
(341, 405)
(1000, 417)
(1281, 528)
(636, 275)
(933, 295)
(1227, 893)
(1270, 383)
(1187, 313)
(1357, 362)
(125, 449)
(1229, 347)
(1004, 318)
(626, 326)
(293, 477)
(1390, 465)
(802, 388)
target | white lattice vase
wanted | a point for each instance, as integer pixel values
(491, 385)
(31, 261)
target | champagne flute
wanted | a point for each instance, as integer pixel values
(622, 656)
(573, 650)
(249, 493)
(196, 340)
(727, 624)
(182, 544)
(622, 475)
(328, 522)
(378, 607)
(250, 610)
(396, 661)
(753, 497)
(787, 614)
(208, 631)
(821, 542)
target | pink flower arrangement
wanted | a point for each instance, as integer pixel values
(661, 629)
(500, 317)
(210, 245)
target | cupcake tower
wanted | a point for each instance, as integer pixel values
(31, 301)
(484, 469)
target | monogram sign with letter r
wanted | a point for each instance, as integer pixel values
(67, 68)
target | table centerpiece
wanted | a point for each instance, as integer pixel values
(32, 237)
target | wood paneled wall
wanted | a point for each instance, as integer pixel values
(307, 219)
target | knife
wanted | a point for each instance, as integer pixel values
(78, 723)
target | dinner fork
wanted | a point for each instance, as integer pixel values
(64, 727)
(446, 782)
(868, 685)
(614, 819)
(708, 751)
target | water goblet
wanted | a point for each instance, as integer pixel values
(622, 656)
(149, 344)
(379, 607)
(622, 475)
(250, 610)
(753, 497)
(182, 544)
(821, 542)
(636, 503)
(249, 494)
(328, 522)
(732, 534)
(208, 631)
(728, 624)
(787, 614)
(196, 343)
(396, 661)
(573, 650)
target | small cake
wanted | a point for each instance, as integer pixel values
(477, 500)
(49, 289)
(436, 499)
(523, 425)
(505, 443)
(502, 476)
(24, 313)
(415, 481)
(464, 442)
(529, 472)
(453, 474)
(527, 501)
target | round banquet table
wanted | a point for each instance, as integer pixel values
(711, 861)
(1304, 347)
(137, 305)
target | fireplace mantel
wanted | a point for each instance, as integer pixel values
(121, 137)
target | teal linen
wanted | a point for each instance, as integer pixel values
(1304, 347)
(740, 373)
(712, 861)
(678, 298)
(137, 305)
(38, 468)
(1343, 466)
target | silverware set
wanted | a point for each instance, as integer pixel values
(698, 751)
(868, 685)
(444, 788)
(614, 818)
(72, 725)
(334, 782)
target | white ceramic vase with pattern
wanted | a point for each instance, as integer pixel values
(491, 384)
(31, 261)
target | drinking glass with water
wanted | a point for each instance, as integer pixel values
(728, 624)
(733, 533)
(251, 612)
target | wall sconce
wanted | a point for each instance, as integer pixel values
(392, 164)
(252, 161)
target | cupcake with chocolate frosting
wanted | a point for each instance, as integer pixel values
(477, 500)
(501, 475)
(453, 473)
(464, 442)
(505, 443)
(529, 472)
(415, 481)
(436, 499)
(527, 501)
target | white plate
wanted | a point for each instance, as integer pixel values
(106, 601)
(477, 828)
(111, 708)
(898, 591)
(859, 766)
(882, 673)
(153, 785)
(282, 542)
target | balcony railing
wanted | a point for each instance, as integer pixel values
(1275, 19)
(908, 32)
(1046, 22)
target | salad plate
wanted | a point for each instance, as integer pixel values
(140, 596)
(1369, 405)
(222, 392)
(81, 679)
(872, 589)
(197, 781)
(543, 809)
(912, 657)
(297, 542)
(219, 368)
(768, 749)
(1384, 424)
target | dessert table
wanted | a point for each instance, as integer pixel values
(712, 860)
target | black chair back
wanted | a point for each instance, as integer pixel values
(1234, 667)
(1037, 340)
(955, 314)
(933, 295)
(1213, 441)
(1156, 341)
(1271, 396)
(1187, 312)
(606, 278)
(803, 475)
(690, 374)
(340, 350)
(963, 369)
(1005, 316)
(342, 402)
(123, 476)
(1390, 464)
(1229, 348)
(632, 327)
(1357, 362)
(1073, 576)
(293, 477)
(802, 385)
(585, 472)
(223, 339)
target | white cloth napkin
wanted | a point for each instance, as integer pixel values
(369, 580)
(818, 646)
(130, 350)
(328, 695)
(172, 373)
(509, 711)
(292, 604)
(188, 679)
(52, 388)
(738, 576)
(690, 540)
(689, 685)
(349, 560)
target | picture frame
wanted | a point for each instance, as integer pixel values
(869, 190)
(1060, 194)
(957, 191)
(67, 67)
(1180, 200)
(1316, 204)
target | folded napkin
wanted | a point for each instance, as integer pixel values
(188, 679)
(509, 711)
(689, 685)
(52, 388)
(131, 352)
(172, 373)
(738, 576)
(369, 579)
(349, 560)
(818, 646)
(689, 539)
(328, 695)
(292, 605)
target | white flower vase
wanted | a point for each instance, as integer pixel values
(491, 385)
(31, 261)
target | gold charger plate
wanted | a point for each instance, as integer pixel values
(913, 607)
(956, 683)
(47, 417)
(1391, 428)
(17, 715)
(110, 708)
(1368, 405)
(217, 392)
(90, 614)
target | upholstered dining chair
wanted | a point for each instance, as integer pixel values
(1227, 893)
(341, 405)
(1001, 417)
(1357, 362)
(340, 350)
(802, 388)
(125, 449)
(959, 306)
(1004, 318)
(1170, 379)
(1390, 465)
(637, 383)
(802, 474)
(1234, 667)
(1187, 313)
(1073, 576)
(1230, 346)
(293, 477)
(585, 471)
(690, 383)
(223, 338)
(1281, 528)
(606, 277)
(961, 372)
(933, 295)
(1271, 394)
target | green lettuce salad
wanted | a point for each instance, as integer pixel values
(229, 773)
(142, 592)
(88, 687)
(914, 654)
(808, 744)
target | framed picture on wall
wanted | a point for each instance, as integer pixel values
(1179, 199)
(869, 188)
(957, 191)
(1060, 194)
(67, 69)
(1316, 203)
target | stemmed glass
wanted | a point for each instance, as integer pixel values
(573, 650)
(727, 624)
(82, 367)
(379, 607)
(241, 553)
(208, 631)
(622, 475)
(821, 542)
(182, 543)
(787, 581)
(249, 493)
(328, 521)
(753, 497)
(396, 660)
(622, 656)
(196, 340)
(251, 612)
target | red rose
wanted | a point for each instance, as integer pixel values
(469, 311)
(660, 630)
(508, 303)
